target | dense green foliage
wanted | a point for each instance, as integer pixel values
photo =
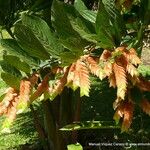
(49, 35)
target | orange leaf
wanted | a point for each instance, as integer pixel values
(121, 82)
(81, 78)
(94, 67)
(128, 116)
(132, 70)
(143, 84)
(10, 95)
(132, 57)
(145, 105)
(105, 55)
(25, 88)
(59, 85)
(42, 87)
(125, 111)
(70, 76)
(108, 68)
(112, 80)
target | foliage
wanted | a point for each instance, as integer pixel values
(62, 51)
(22, 133)
(75, 147)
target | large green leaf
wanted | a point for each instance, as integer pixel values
(10, 69)
(104, 28)
(43, 33)
(87, 14)
(74, 147)
(12, 47)
(68, 36)
(118, 25)
(84, 27)
(17, 63)
(11, 80)
(29, 42)
(109, 24)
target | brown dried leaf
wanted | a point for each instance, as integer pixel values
(42, 87)
(145, 105)
(105, 55)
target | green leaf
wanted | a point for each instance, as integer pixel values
(22, 106)
(74, 147)
(10, 69)
(17, 63)
(68, 36)
(43, 33)
(85, 28)
(12, 47)
(29, 42)
(87, 14)
(86, 125)
(6, 126)
(11, 80)
(118, 25)
(104, 28)
(144, 70)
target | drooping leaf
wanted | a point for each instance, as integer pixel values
(132, 70)
(112, 80)
(143, 84)
(83, 72)
(145, 105)
(59, 85)
(133, 57)
(104, 28)
(68, 36)
(121, 82)
(95, 68)
(25, 89)
(128, 116)
(17, 63)
(8, 108)
(125, 111)
(105, 55)
(8, 98)
(11, 80)
(43, 33)
(78, 76)
(12, 47)
(87, 14)
(10, 115)
(42, 87)
(29, 42)
(84, 28)
(119, 29)
(10, 69)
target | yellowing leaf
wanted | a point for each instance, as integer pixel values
(132, 57)
(112, 80)
(94, 67)
(132, 70)
(120, 76)
(81, 78)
